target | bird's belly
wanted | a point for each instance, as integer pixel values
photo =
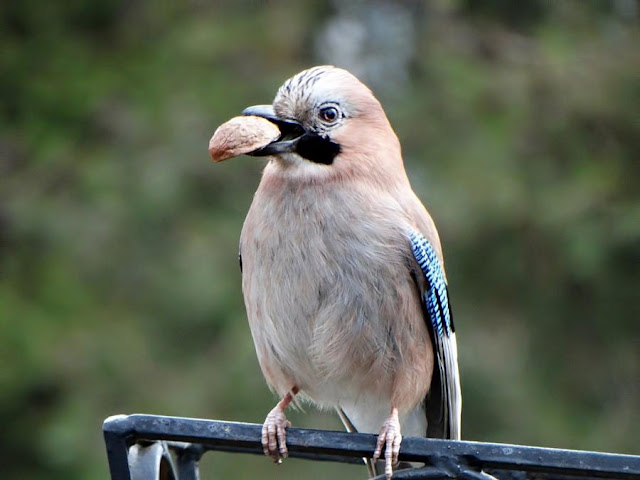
(332, 319)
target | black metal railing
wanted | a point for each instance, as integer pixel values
(150, 447)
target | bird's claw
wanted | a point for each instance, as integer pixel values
(274, 435)
(390, 438)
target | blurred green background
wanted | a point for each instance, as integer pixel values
(120, 289)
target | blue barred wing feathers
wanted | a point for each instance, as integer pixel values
(444, 402)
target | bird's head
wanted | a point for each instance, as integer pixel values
(331, 124)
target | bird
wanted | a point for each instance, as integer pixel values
(342, 273)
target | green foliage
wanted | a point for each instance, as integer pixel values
(119, 286)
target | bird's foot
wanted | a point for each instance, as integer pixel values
(274, 434)
(390, 438)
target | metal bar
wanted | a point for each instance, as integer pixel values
(530, 459)
(117, 444)
(350, 447)
(320, 457)
(151, 460)
(188, 455)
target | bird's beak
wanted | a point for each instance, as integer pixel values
(290, 131)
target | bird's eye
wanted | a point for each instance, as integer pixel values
(329, 114)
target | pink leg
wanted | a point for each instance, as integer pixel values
(390, 438)
(274, 429)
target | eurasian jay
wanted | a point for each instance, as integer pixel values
(342, 272)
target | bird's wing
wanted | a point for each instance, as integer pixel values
(444, 400)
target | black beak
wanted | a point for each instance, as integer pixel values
(291, 131)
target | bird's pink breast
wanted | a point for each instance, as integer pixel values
(329, 297)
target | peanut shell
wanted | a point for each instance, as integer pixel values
(241, 135)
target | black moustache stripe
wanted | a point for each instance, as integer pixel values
(317, 149)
